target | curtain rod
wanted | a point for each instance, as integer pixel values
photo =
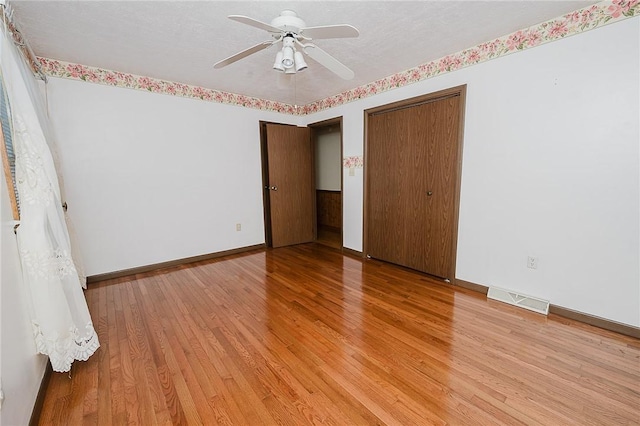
(20, 41)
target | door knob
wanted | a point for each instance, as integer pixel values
(429, 193)
(274, 188)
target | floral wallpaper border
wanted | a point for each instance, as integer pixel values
(582, 20)
(572, 23)
(90, 74)
(355, 162)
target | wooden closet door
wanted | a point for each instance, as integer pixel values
(412, 157)
(386, 155)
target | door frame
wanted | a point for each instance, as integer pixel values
(315, 130)
(407, 103)
(266, 201)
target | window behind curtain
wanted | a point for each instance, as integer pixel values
(8, 154)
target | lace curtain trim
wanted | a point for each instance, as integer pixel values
(43, 264)
(63, 351)
(31, 174)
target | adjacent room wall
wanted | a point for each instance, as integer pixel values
(151, 178)
(328, 161)
(550, 169)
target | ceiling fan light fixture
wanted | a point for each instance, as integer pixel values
(300, 62)
(277, 65)
(287, 57)
(291, 30)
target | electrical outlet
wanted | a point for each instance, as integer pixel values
(532, 262)
(238, 227)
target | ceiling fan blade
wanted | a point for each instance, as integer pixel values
(255, 23)
(328, 61)
(231, 59)
(330, 31)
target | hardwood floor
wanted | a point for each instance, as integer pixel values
(304, 335)
(330, 237)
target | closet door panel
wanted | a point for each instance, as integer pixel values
(443, 148)
(412, 159)
(387, 140)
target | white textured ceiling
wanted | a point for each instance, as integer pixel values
(181, 40)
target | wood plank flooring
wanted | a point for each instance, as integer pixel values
(330, 237)
(304, 335)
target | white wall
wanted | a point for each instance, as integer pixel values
(151, 178)
(328, 162)
(21, 368)
(550, 169)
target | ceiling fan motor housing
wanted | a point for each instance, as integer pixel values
(289, 22)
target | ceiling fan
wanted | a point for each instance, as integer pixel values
(292, 31)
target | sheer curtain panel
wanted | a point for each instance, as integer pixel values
(62, 326)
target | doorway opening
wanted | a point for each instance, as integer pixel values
(302, 182)
(327, 141)
(327, 138)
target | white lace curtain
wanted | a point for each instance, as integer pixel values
(62, 326)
